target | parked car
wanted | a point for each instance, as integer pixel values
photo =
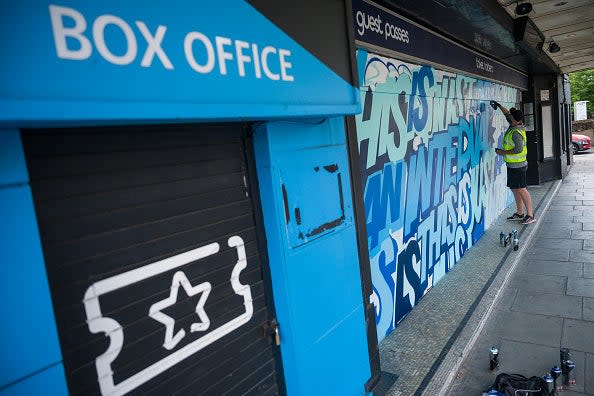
(579, 142)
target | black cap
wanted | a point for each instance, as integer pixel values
(516, 114)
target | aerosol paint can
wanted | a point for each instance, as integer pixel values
(516, 241)
(569, 379)
(555, 373)
(564, 355)
(493, 392)
(550, 383)
(501, 239)
(493, 358)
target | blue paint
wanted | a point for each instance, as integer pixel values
(167, 86)
(12, 158)
(307, 216)
(432, 183)
(28, 338)
(316, 285)
(48, 382)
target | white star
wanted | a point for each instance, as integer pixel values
(179, 278)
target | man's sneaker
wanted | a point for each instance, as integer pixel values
(528, 220)
(516, 217)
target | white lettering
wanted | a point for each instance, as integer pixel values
(210, 56)
(396, 33)
(374, 24)
(285, 65)
(222, 54)
(75, 32)
(256, 58)
(99, 38)
(241, 58)
(154, 46)
(265, 52)
(69, 27)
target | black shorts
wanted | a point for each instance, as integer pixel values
(516, 177)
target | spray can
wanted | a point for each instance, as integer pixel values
(570, 372)
(516, 241)
(493, 392)
(493, 358)
(501, 239)
(555, 373)
(550, 383)
(564, 354)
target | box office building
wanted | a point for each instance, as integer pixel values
(178, 216)
(240, 198)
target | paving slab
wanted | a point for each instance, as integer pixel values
(577, 234)
(583, 256)
(588, 270)
(547, 239)
(525, 327)
(565, 204)
(588, 245)
(529, 283)
(578, 335)
(581, 287)
(547, 254)
(555, 231)
(589, 378)
(548, 267)
(584, 215)
(588, 309)
(549, 304)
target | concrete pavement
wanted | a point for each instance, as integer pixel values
(529, 303)
(548, 302)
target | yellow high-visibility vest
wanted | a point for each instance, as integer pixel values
(508, 144)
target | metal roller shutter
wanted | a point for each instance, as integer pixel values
(146, 232)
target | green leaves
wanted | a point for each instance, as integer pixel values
(582, 88)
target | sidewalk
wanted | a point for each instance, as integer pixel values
(528, 302)
(549, 300)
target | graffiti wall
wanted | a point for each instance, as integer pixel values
(432, 181)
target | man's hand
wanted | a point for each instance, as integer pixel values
(494, 105)
(499, 151)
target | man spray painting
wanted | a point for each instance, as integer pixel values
(514, 154)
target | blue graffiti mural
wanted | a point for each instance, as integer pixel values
(432, 181)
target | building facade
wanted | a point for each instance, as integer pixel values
(213, 199)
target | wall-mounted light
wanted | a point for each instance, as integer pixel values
(523, 8)
(554, 47)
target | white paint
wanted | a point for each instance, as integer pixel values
(265, 52)
(242, 59)
(154, 46)
(57, 14)
(223, 56)
(179, 278)
(210, 57)
(284, 64)
(226, 51)
(112, 329)
(99, 37)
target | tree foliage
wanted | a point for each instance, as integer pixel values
(582, 88)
